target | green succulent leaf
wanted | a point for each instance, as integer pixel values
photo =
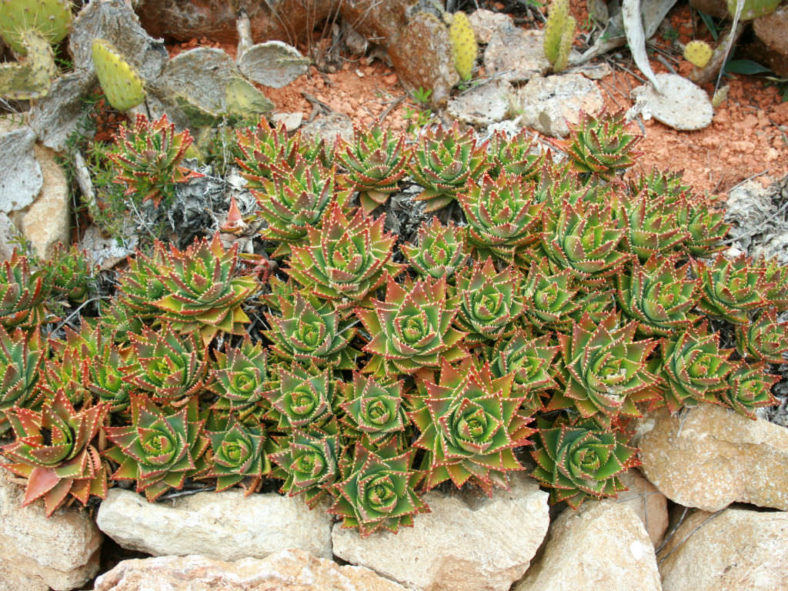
(374, 408)
(763, 338)
(238, 456)
(23, 293)
(731, 288)
(749, 387)
(22, 355)
(601, 146)
(441, 250)
(240, 379)
(309, 464)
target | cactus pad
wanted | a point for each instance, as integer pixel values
(698, 53)
(463, 45)
(121, 84)
(51, 18)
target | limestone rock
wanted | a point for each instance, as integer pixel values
(483, 104)
(328, 127)
(603, 545)
(225, 526)
(681, 104)
(57, 115)
(46, 221)
(772, 29)
(287, 570)
(37, 552)
(423, 59)
(712, 457)
(465, 543)
(733, 550)
(486, 22)
(273, 64)
(21, 180)
(516, 54)
(647, 502)
(757, 226)
(550, 104)
(8, 233)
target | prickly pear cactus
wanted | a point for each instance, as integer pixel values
(121, 84)
(753, 8)
(698, 53)
(559, 32)
(31, 77)
(463, 45)
(50, 18)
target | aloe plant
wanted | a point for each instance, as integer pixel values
(764, 338)
(158, 449)
(23, 293)
(490, 302)
(55, 449)
(517, 155)
(469, 423)
(730, 289)
(776, 277)
(310, 332)
(70, 274)
(693, 367)
(503, 217)
(579, 460)
(444, 161)
(304, 398)
(346, 259)
(374, 162)
(238, 456)
(601, 146)
(261, 150)
(706, 226)
(374, 408)
(652, 227)
(749, 387)
(658, 294)
(22, 355)
(309, 464)
(377, 491)
(440, 251)
(604, 370)
(147, 159)
(550, 299)
(411, 329)
(240, 379)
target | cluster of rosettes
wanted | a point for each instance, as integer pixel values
(552, 304)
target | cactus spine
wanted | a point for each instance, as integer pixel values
(463, 45)
(559, 32)
(121, 84)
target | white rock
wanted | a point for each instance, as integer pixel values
(711, 457)
(46, 221)
(21, 178)
(329, 127)
(682, 104)
(483, 104)
(291, 121)
(8, 234)
(225, 526)
(516, 54)
(647, 502)
(37, 552)
(550, 104)
(274, 63)
(734, 550)
(603, 545)
(466, 543)
(287, 570)
(486, 22)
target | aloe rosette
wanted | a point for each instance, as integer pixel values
(652, 227)
(261, 150)
(444, 162)
(66, 370)
(549, 299)
(604, 370)
(203, 293)
(69, 273)
(659, 295)
(23, 293)
(147, 159)
(411, 329)
(602, 146)
(374, 408)
(776, 277)
(346, 259)
(763, 338)
(140, 285)
(168, 366)
(490, 302)
(594, 302)
(238, 456)
(106, 369)
(749, 387)
(440, 251)
(294, 199)
(55, 449)
(693, 367)
(586, 239)
(304, 398)
(706, 227)
(531, 360)
(580, 460)
(308, 462)
(658, 184)
(310, 332)
(158, 449)
(22, 355)
(503, 218)
(516, 155)
(374, 162)
(240, 379)
(731, 289)
(377, 491)
(469, 423)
